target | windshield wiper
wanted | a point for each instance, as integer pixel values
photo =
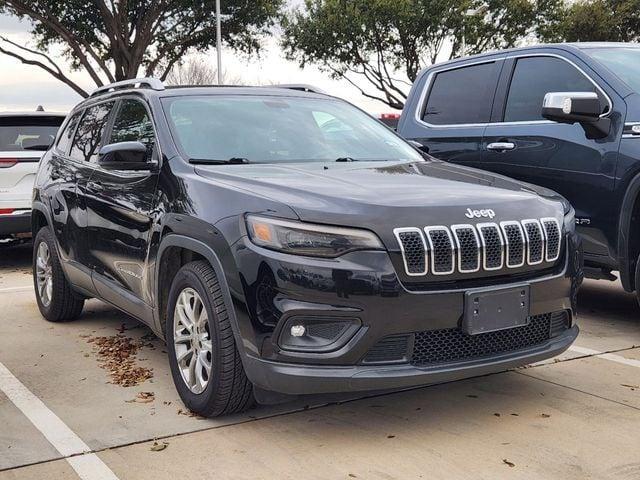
(346, 159)
(231, 161)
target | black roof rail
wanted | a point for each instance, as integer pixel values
(146, 82)
(302, 87)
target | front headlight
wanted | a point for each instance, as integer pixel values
(309, 239)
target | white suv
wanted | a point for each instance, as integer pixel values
(24, 137)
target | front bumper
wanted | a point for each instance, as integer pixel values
(298, 379)
(274, 288)
(15, 223)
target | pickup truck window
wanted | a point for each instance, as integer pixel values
(533, 77)
(461, 96)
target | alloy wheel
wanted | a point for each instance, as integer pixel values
(192, 340)
(44, 274)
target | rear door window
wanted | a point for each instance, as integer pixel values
(462, 96)
(26, 133)
(534, 77)
(67, 135)
(88, 137)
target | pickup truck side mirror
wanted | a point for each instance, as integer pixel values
(125, 156)
(577, 107)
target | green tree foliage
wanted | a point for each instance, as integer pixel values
(381, 40)
(118, 39)
(597, 21)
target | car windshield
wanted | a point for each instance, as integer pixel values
(624, 62)
(27, 132)
(271, 129)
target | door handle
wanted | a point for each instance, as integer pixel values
(501, 146)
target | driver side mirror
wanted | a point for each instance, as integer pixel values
(125, 156)
(577, 107)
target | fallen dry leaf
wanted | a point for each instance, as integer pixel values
(632, 387)
(545, 415)
(507, 462)
(158, 447)
(117, 355)
(143, 397)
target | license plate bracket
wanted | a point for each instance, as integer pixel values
(489, 310)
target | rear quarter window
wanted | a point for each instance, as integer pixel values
(461, 96)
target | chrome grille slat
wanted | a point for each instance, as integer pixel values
(492, 246)
(535, 241)
(551, 228)
(468, 248)
(515, 243)
(441, 249)
(414, 250)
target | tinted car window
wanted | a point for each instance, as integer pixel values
(18, 133)
(132, 124)
(65, 139)
(463, 95)
(89, 134)
(534, 77)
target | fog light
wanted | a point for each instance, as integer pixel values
(317, 334)
(298, 330)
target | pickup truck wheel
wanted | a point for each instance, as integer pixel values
(56, 299)
(637, 280)
(204, 359)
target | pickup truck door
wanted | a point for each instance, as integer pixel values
(454, 107)
(523, 145)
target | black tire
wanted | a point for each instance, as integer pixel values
(64, 304)
(228, 389)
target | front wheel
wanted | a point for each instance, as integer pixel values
(56, 299)
(204, 359)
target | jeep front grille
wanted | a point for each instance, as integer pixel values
(443, 250)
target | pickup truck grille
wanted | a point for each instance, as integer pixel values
(444, 250)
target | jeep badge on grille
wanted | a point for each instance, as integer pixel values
(480, 213)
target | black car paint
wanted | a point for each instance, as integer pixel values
(594, 175)
(117, 231)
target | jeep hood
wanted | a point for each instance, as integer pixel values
(384, 195)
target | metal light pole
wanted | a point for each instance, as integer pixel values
(219, 42)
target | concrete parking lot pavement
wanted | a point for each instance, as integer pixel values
(573, 417)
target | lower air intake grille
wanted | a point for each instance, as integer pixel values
(390, 349)
(452, 344)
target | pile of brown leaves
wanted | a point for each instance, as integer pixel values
(117, 355)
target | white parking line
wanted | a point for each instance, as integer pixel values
(607, 356)
(88, 466)
(16, 289)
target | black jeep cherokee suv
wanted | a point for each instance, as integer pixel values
(284, 241)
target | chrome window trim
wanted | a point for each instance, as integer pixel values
(506, 242)
(427, 85)
(544, 229)
(454, 229)
(396, 233)
(535, 222)
(480, 226)
(427, 231)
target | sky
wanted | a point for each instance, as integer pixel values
(24, 87)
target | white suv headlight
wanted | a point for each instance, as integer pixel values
(309, 239)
